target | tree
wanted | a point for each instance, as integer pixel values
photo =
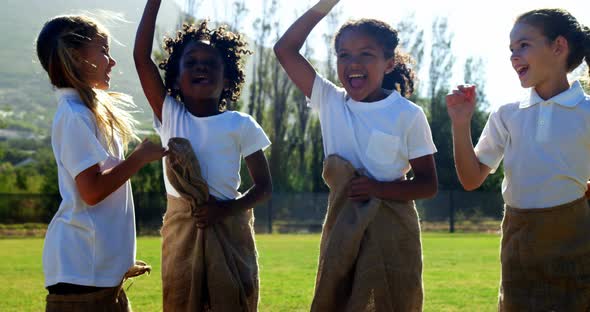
(474, 73)
(440, 71)
(412, 41)
(261, 68)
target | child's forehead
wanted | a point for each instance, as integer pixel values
(197, 46)
(100, 40)
(356, 36)
(523, 31)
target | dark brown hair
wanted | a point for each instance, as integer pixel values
(558, 22)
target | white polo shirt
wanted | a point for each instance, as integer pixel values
(545, 146)
(378, 137)
(86, 245)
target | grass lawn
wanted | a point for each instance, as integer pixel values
(461, 273)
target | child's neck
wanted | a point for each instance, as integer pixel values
(549, 89)
(203, 108)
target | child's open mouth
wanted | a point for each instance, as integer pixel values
(521, 70)
(357, 80)
(200, 79)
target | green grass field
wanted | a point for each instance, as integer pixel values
(461, 273)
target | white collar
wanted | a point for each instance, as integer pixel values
(568, 98)
(66, 93)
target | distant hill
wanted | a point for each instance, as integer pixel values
(24, 86)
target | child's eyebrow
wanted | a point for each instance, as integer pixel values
(519, 40)
(367, 47)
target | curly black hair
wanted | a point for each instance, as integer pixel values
(232, 49)
(402, 77)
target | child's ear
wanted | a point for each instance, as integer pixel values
(561, 46)
(390, 65)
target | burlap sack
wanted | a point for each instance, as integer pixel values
(211, 269)
(546, 258)
(370, 253)
(112, 299)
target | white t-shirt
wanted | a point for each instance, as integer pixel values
(545, 146)
(86, 245)
(219, 142)
(379, 137)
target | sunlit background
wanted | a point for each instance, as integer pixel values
(480, 29)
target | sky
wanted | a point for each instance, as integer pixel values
(481, 29)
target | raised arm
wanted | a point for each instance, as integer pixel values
(460, 106)
(149, 76)
(287, 48)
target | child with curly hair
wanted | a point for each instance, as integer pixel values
(209, 260)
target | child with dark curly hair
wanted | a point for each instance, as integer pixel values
(209, 260)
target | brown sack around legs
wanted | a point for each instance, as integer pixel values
(210, 269)
(545, 257)
(370, 253)
(111, 299)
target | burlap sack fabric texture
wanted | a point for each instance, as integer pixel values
(545, 257)
(370, 253)
(204, 269)
(108, 300)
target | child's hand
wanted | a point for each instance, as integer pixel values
(362, 189)
(147, 151)
(461, 104)
(211, 212)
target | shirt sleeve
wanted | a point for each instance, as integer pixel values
(170, 108)
(252, 137)
(323, 92)
(490, 147)
(419, 137)
(79, 146)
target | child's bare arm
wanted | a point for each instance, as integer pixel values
(460, 106)
(423, 185)
(94, 185)
(287, 48)
(214, 210)
(149, 76)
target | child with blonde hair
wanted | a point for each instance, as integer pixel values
(90, 243)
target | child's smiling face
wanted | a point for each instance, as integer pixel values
(533, 56)
(201, 72)
(97, 63)
(361, 65)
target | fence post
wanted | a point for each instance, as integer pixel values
(269, 217)
(451, 212)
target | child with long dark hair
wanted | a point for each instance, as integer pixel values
(370, 252)
(544, 140)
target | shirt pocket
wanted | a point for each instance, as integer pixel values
(382, 147)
